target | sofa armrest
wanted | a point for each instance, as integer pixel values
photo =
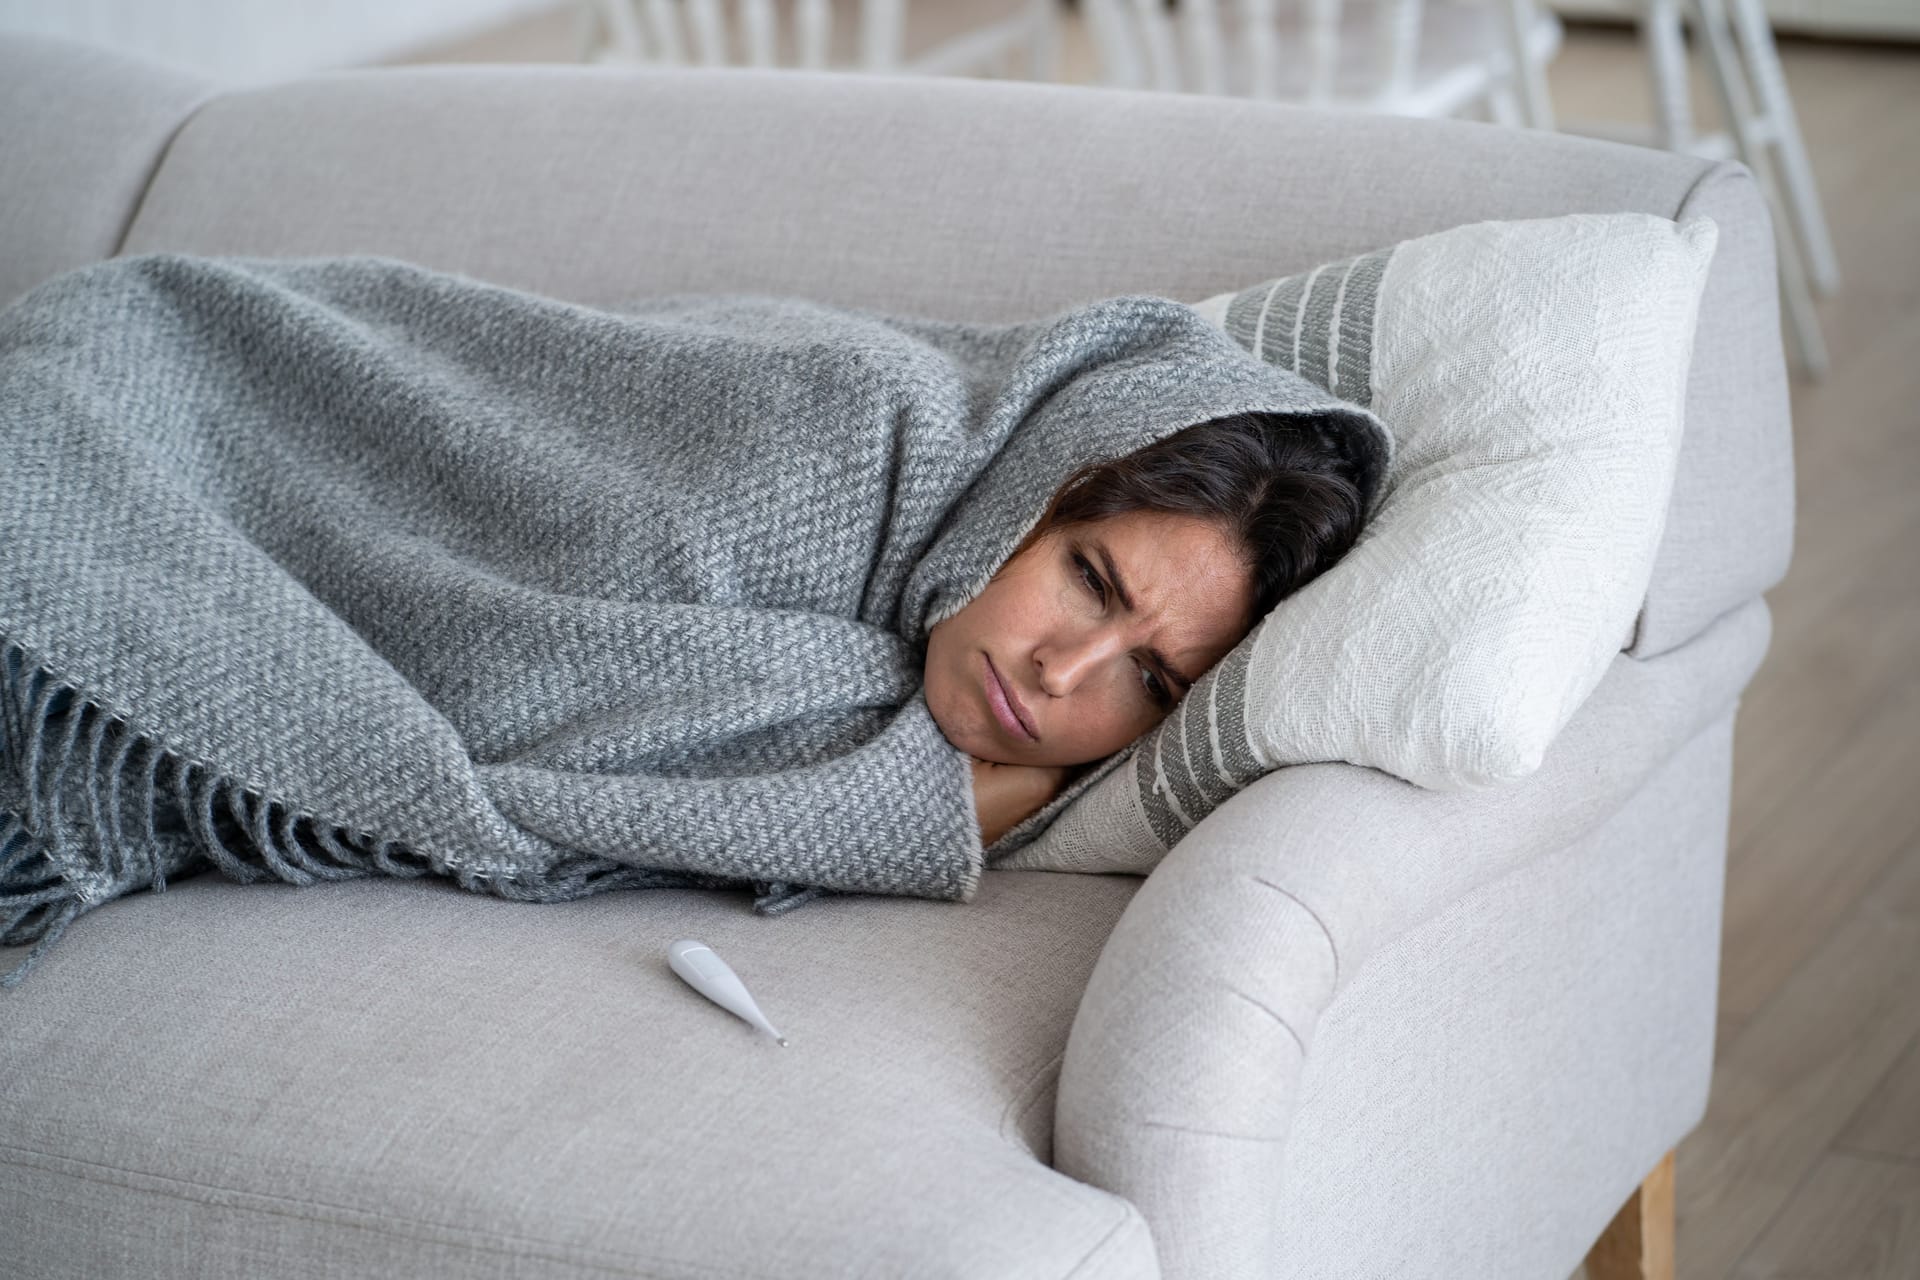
(1180, 1075)
(85, 128)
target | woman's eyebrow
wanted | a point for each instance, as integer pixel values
(1126, 601)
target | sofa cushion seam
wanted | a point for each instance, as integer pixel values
(139, 204)
(1333, 948)
(1719, 168)
(1128, 1216)
(1029, 1096)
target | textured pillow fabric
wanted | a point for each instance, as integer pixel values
(1532, 374)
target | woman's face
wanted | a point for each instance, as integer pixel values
(1053, 627)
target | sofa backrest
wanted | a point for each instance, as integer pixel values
(81, 131)
(975, 199)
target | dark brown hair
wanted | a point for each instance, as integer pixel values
(1290, 490)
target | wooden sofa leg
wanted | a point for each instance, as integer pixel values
(1638, 1243)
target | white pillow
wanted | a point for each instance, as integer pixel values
(1532, 373)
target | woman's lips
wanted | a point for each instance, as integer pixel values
(1002, 702)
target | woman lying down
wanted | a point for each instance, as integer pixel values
(324, 568)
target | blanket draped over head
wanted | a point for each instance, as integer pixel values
(321, 568)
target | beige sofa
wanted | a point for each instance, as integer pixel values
(1348, 1028)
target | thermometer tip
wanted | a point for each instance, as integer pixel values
(783, 1042)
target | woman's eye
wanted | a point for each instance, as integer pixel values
(1155, 687)
(1092, 579)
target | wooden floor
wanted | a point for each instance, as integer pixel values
(1808, 1163)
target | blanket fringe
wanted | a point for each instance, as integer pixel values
(54, 867)
(777, 897)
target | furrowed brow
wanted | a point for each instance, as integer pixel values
(1126, 602)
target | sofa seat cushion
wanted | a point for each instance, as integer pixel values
(382, 1077)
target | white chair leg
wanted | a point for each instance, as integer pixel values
(588, 30)
(1735, 104)
(1157, 38)
(1536, 107)
(1800, 314)
(1043, 41)
(1667, 67)
(709, 31)
(623, 38)
(663, 32)
(882, 35)
(1206, 69)
(1802, 196)
(1503, 107)
(1119, 61)
(759, 33)
(1262, 45)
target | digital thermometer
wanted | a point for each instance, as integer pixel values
(708, 974)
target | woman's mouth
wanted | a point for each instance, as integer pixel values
(1005, 708)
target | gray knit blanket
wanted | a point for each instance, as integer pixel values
(317, 569)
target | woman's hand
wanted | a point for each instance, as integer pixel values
(1005, 795)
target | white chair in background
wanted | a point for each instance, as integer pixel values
(1440, 57)
(929, 38)
(1397, 57)
(1736, 46)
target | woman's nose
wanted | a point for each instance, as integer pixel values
(1064, 664)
